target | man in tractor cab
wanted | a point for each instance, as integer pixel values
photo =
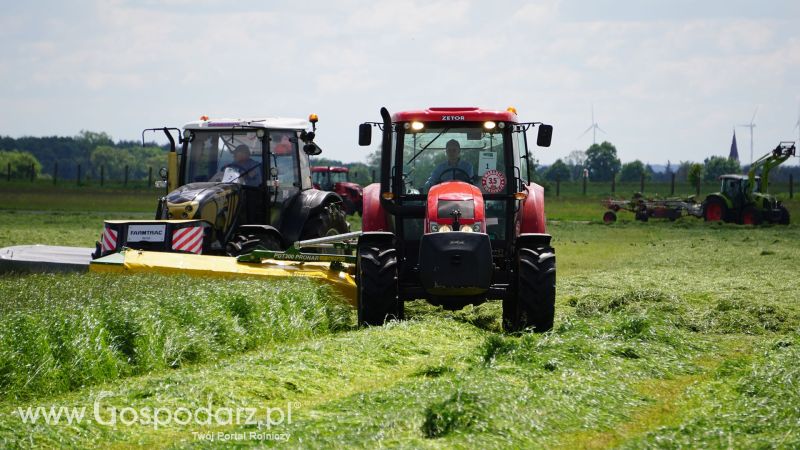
(247, 165)
(452, 169)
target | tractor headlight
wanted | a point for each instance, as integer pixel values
(466, 228)
(434, 227)
(445, 228)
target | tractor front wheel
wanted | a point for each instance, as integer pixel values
(751, 216)
(377, 294)
(784, 217)
(532, 302)
(609, 217)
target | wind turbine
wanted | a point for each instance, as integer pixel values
(751, 125)
(593, 128)
(797, 125)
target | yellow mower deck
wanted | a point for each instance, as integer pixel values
(139, 261)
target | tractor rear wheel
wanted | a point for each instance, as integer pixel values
(377, 294)
(330, 221)
(532, 302)
(609, 217)
(714, 210)
(242, 244)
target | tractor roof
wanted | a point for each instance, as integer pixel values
(282, 123)
(446, 114)
(329, 168)
(735, 177)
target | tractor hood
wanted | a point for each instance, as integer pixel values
(354, 186)
(205, 201)
(200, 192)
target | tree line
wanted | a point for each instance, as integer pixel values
(92, 151)
(600, 163)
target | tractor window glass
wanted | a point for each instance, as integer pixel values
(225, 156)
(521, 152)
(437, 154)
(339, 177)
(283, 151)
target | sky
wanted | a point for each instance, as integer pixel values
(668, 80)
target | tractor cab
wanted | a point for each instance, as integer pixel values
(455, 193)
(336, 179)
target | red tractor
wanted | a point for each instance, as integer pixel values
(336, 179)
(455, 219)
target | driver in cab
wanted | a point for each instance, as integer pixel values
(246, 165)
(452, 169)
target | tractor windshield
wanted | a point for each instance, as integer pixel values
(339, 177)
(218, 155)
(437, 154)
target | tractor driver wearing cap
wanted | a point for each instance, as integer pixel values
(247, 166)
(452, 169)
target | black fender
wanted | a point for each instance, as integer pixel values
(306, 204)
(261, 229)
(533, 240)
(379, 238)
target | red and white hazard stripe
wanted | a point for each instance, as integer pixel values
(189, 239)
(108, 240)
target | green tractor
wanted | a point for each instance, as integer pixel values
(746, 199)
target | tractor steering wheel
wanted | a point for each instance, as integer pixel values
(457, 172)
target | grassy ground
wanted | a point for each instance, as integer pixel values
(667, 335)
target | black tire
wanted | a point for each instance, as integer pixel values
(532, 303)
(642, 215)
(377, 294)
(784, 218)
(674, 214)
(609, 217)
(331, 220)
(242, 244)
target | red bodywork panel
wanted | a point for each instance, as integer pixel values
(454, 190)
(459, 114)
(531, 216)
(373, 216)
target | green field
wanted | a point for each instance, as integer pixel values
(667, 335)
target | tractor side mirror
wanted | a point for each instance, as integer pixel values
(312, 149)
(545, 135)
(163, 172)
(364, 134)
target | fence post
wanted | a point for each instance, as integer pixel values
(641, 183)
(55, 173)
(79, 175)
(8, 174)
(149, 177)
(613, 183)
(791, 186)
(698, 187)
(584, 185)
(672, 184)
(102, 175)
(126, 177)
(33, 172)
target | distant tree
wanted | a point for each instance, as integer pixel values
(683, 170)
(576, 161)
(557, 171)
(113, 160)
(20, 164)
(632, 171)
(719, 165)
(695, 173)
(602, 161)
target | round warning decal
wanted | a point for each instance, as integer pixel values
(493, 181)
